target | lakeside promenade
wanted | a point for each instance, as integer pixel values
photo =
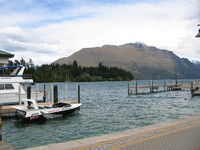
(181, 134)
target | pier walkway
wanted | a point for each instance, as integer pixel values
(141, 87)
(181, 134)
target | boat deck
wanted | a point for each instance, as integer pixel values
(181, 134)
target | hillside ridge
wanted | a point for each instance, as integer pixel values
(143, 61)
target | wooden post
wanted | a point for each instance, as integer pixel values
(0, 122)
(19, 95)
(55, 91)
(52, 94)
(78, 93)
(196, 83)
(128, 88)
(28, 92)
(36, 91)
(151, 86)
(192, 90)
(136, 87)
(191, 85)
(164, 85)
(66, 92)
(45, 94)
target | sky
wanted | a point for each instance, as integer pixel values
(46, 30)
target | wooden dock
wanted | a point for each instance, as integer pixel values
(136, 87)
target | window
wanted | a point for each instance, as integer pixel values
(9, 86)
(1, 86)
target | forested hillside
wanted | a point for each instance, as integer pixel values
(74, 72)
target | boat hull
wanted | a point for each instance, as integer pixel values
(45, 116)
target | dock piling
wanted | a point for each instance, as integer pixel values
(66, 92)
(19, 95)
(51, 94)
(28, 92)
(151, 86)
(78, 93)
(164, 85)
(128, 88)
(36, 91)
(191, 85)
(136, 87)
(55, 91)
(45, 94)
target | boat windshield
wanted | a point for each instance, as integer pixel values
(61, 105)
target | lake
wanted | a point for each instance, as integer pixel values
(106, 108)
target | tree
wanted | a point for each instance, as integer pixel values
(75, 64)
(22, 62)
(16, 63)
(60, 73)
(76, 70)
(30, 63)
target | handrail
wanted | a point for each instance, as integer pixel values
(24, 76)
(27, 76)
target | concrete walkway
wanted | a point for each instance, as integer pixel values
(181, 134)
(5, 146)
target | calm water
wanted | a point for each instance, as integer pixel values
(106, 108)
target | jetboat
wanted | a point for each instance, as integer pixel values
(30, 110)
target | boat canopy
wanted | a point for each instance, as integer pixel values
(18, 70)
(2, 68)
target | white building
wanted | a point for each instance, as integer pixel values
(4, 56)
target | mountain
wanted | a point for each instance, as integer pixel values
(145, 62)
(197, 63)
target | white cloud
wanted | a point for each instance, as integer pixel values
(21, 40)
(26, 44)
(169, 24)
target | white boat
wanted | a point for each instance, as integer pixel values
(31, 111)
(13, 86)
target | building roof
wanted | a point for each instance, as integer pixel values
(6, 54)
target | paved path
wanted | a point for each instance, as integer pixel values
(182, 134)
(5, 146)
(187, 138)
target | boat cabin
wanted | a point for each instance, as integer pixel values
(6, 87)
